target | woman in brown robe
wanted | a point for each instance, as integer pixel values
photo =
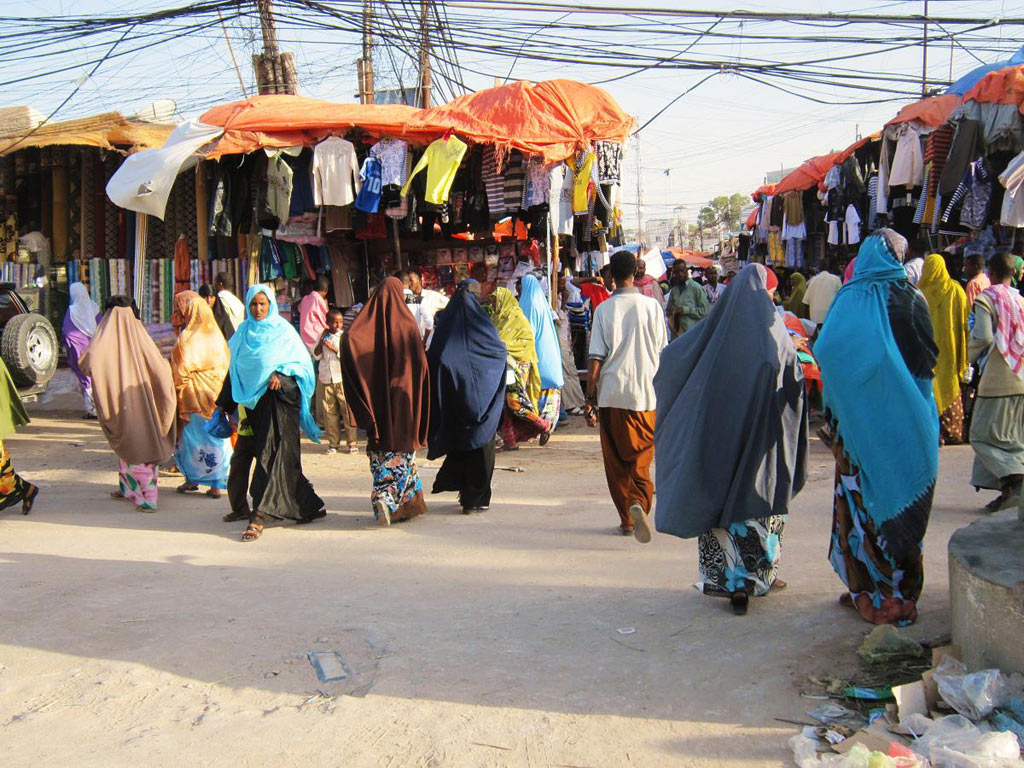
(385, 373)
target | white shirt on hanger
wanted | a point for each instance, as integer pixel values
(335, 172)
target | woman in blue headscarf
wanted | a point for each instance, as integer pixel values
(271, 381)
(877, 355)
(549, 357)
(467, 388)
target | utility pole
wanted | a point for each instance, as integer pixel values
(924, 53)
(639, 195)
(275, 71)
(365, 66)
(424, 55)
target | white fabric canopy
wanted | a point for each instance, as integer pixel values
(143, 182)
(655, 263)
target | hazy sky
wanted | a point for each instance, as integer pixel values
(720, 139)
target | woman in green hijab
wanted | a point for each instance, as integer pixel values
(797, 290)
(521, 419)
(1018, 272)
(12, 415)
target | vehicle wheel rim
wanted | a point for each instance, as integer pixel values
(39, 350)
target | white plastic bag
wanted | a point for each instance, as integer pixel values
(973, 695)
(954, 742)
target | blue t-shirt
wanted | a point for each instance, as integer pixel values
(368, 198)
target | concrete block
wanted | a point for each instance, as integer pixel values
(986, 583)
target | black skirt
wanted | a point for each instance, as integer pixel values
(278, 488)
(469, 473)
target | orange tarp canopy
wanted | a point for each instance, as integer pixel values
(807, 175)
(553, 119)
(752, 219)
(693, 258)
(813, 171)
(1005, 86)
(289, 121)
(106, 131)
(932, 111)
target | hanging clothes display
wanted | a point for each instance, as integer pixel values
(335, 172)
(441, 160)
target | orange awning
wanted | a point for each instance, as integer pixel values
(1005, 86)
(932, 111)
(812, 172)
(106, 131)
(693, 258)
(553, 119)
(288, 121)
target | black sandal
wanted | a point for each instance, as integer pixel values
(234, 517)
(29, 499)
(252, 532)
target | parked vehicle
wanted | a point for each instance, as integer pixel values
(28, 343)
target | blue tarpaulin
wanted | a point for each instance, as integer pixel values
(968, 81)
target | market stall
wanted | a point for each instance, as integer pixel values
(56, 225)
(490, 186)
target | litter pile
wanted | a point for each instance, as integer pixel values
(947, 718)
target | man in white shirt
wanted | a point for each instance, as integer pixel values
(821, 289)
(330, 394)
(424, 303)
(628, 336)
(712, 287)
(915, 260)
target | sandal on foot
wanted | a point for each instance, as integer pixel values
(252, 532)
(383, 514)
(186, 488)
(234, 517)
(148, 510)
(846, 600)
(117, 495)
(214, 493)
(778, 585)
(543, 440)
(29, 500)
(739, 601)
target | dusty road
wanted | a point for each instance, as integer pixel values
(129, 639)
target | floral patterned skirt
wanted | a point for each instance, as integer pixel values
(137, 483)
(741, 558)
(12, 487)
(396, 484)
(884, 589)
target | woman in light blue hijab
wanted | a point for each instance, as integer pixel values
(549, 357)
(271, 381)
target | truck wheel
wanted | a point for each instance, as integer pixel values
(29, 348)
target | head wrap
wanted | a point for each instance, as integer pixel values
(83, 309)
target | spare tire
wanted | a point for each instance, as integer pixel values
(29, 348)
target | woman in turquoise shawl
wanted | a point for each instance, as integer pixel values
(549, 357)
(271, 377)
(877, 354)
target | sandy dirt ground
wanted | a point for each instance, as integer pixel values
(131, 639)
